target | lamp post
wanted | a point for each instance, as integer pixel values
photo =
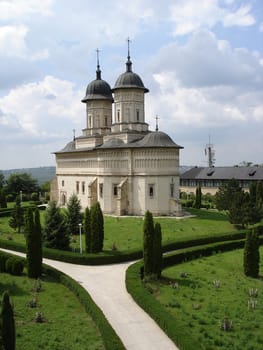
(80, 240)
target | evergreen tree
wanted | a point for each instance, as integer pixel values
(157, 250)
(198, 197)
(17, 217)
(251, 254)
(225, 195)
(148, 233)
(96, 228)
(259, 196)
(253, 192)
(33, 243)
(74, 216)
(55, 229)
(87, 230)
(3, 203)
(8, 324)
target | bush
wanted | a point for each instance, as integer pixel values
(3, 259)
(14, 266)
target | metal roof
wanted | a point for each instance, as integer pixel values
(224, 173)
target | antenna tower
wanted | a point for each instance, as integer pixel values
(210, 153)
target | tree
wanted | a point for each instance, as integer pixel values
(55, 228)
(253, 192)
(157, 250)
(96, 228)
(33, 243)
(17, 217)
(21, 182)
(226, 194)
(2, 179)
(148, 233)
(3, 203)
(198, 197)
(259, 196)
(251, 254)
(87, 230)
(8, 324)
(74, 216)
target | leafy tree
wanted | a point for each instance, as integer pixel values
(157, 250)
(251, 254)
(2, 179)
(3, 203)
(253, 192)
(33, 243)
(55, 228)
(148, 233)
(226, 194)
(259, 196)
(8, 323)
(21, 182)
(87, 229)
(74, 216)
(198, 197)
(17, 217)
(96, 228)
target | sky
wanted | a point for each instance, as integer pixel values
(201, 60)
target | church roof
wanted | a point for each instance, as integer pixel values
(157, 139)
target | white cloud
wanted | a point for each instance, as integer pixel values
(192, 15)
(14, 9)
(261, 27)
(12, 40)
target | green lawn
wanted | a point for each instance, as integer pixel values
(127, 232)
(67, 326)
(202, 292)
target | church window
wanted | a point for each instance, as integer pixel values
(63, 183)
(77, 187)
(83, 187)
(101, 190)
(90, 121)
(105, 121)
(63, 198)
(137, 114)
(171, 190)
(118, 115)
(151, 190)
(115, 190)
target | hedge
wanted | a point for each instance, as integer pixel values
(109, 336)
(170, 325)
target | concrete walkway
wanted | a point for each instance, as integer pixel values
(106, 286)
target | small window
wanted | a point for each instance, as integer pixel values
(101, 190)
(118, 115)
(137, 114)
(171, 190)
(63, 183)
(89, 121)
(105, 121)
(83, 187)
(77, 186)
(115, 190)
(151, 191)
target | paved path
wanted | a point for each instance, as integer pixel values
(106, 286)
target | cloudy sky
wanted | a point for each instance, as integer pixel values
(201, 60)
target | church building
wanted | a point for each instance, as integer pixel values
(117, 160)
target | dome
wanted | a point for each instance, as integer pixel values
(98, 89)
(112, 143)
(129, 79)
(157, 139)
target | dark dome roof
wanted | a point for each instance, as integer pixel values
(129, 79)
(157, 139)
(98, 89)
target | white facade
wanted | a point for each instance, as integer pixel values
(117, 160)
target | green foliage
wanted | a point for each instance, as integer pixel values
(21, 182)
(87, 230)
(8, 324)
(2, 180)
(55, 229)
(259, 196)
(198, 197)
(148, 234)
(3, 203)
(157, 250)
(251, 254)
(17, 217)
(14, 266)
(96, 228)
(33, 243)
(227, 194)
(74, 216)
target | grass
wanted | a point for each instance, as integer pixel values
(67, 326)
(126, 233)
(201, 293)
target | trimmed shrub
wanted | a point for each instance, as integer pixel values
(14, 266)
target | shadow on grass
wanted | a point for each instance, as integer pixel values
(208, 215)
(12, 288)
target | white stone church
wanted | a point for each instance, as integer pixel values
(117, 160)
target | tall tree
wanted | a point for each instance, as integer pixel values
(259, 196)
(17, 216)
(198, 197)
(33, 243)
(2, 179)
(253, 191)
(3, 203)
(226, 194)
(74, 216)
(157, 250)
(87, 229)
(21, 182)
(97, 228)
(251, 254)
(8, 324)
(148, 233)
(55, 229)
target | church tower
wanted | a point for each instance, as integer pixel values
(129, 93)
